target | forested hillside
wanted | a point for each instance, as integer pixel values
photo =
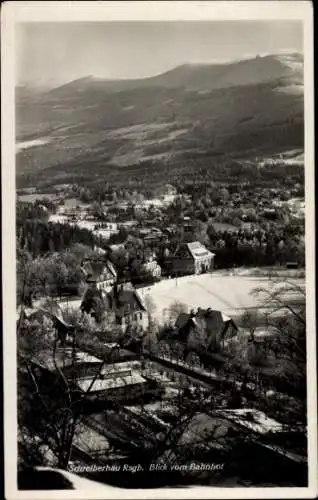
(94, 128)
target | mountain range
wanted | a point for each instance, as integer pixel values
(241, 108)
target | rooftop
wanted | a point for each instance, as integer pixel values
(121, 367)
(89, 440)
(209, 323)
(252, 419)
(216, 318)
(125, 299)
(62, 358)
(94, 269)
(198, 250)
(105, 384)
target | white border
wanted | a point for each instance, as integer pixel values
(13, 12)
(157, 10)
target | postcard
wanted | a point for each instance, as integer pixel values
(158, 250)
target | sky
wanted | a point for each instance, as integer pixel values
(54, 53)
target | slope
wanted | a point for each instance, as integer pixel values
(251, 105)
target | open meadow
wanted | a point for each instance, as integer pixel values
(232, 294)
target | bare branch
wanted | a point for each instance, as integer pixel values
(59, 371)
(37, 392)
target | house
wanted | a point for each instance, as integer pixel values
(144, 232)
(154, 238)
(127, 224)
(114, 382)
(151, 267)
(92, 298)
(91, 442)
(166, 190)
(187, 228)
(117, 382)
(50, 312)
(58, 219)
(204, 331)
(192, 258)
(128, 307)
(100, 273)
(123, 382)
(99, 250)
(65, 360)
(120, 247)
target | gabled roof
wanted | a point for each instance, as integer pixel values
(96, 268)
(198, 250)
(210, 322)
(91, 296)
(182, 320)
(62, 358)
(125, 299)
(114, 382)
(61, 323)
(194, 249)
(252, 419)
(50, 309)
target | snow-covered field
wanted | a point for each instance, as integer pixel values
(230, 294)
(35, 142)
(112, 228)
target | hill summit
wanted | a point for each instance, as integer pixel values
(238, 108)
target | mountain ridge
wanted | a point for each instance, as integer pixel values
(192, 109)
(176, 70)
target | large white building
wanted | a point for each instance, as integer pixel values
(192, 258)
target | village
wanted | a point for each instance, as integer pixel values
(150, 335)
(157, 245)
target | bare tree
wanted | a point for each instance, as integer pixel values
(150, 307)
(59, 407)
(286, 313)
(175, 309)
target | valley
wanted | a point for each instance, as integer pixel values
(192, 112)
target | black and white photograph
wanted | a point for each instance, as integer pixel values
(161, 331)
